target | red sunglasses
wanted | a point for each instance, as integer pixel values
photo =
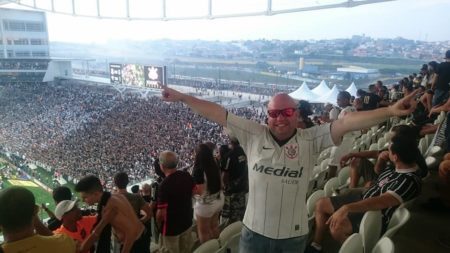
(287, 112)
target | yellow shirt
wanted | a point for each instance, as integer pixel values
(41, 244)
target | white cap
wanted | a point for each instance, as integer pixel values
(63, 207)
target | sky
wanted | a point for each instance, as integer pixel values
(412, 19)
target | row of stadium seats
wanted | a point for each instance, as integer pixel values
(228, 241)
(368, 240)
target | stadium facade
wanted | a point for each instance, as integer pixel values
(24, 46)
(23, 34)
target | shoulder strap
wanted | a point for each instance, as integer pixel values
(104, 242)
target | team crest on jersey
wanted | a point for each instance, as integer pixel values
(383, 182)
(291, 151)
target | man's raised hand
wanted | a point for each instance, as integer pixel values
(405, 105)
(171, 95)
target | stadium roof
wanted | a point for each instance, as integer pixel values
(176, 9)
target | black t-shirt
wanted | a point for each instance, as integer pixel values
(443, 79)
(237, 168)
(175, 194)
(403, 185)
(199, 178)
(420, 115)
(370, 101)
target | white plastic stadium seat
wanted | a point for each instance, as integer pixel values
(398, 220)
(311, 186)
(323, 155)
(311, 206)
(373, 146)
(429, 138)
(311, 202)
(321, 178)
(431, 162)
(208, 247)
(229, 231)
(324, 164)
(232, 245)
(423, 146)
(370, 229)
(316, 170)
(381, 143)
(331, 185)
(353, 244)
(384, 245)
(344, 175)
(435, 151)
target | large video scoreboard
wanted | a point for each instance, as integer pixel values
(115, 73)
(138, 75)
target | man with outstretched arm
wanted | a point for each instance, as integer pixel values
(280, 162)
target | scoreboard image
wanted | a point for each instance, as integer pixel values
(133, 74)
(115, 73)
(138, 75)
(155, 77)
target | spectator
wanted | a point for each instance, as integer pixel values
(394, 186)
(235, 182)
(361, 166)
(208, 195)
(279, 154)
(369, 101)
(343, 100)
(59, 194)
(74, 225)
(333, 112)
(174, 213)
(114, 213)
(19, 220)
(304, 111)
(141, 209)
(442, 86)
(147, 193)
(147, 196)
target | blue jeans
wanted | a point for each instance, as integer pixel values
(252, 242)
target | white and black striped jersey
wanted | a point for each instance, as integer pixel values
(404, 185)
(278, 176)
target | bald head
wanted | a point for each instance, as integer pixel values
(282, 124)
(281, 101)
(168, 160)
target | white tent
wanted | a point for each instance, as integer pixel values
(321, 89)
(352, 89)
(303, 93)
(331, 96)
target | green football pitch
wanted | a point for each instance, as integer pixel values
(41, 195)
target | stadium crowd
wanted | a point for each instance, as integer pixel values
(81, 130)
